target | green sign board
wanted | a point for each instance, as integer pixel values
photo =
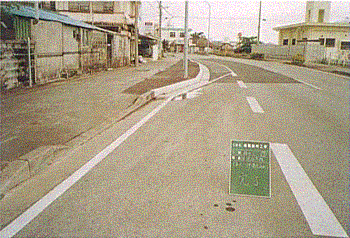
(250, 168)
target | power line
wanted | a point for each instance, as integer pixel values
(236, 19)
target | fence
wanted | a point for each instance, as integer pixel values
(14, 63)
(46, 65)
(287, 52)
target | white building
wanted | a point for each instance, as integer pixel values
(175, 37)
(150, 28)
(334, 37)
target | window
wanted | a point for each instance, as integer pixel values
(102, 7)
(182, 34)
(345, 45)
(285, 42)
(172, 34)
(293, 42)
(79, 6)
(321, 15)
(330, 42)
(309, 15)
(321, 41)
(48, 5)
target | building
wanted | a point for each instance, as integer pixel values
(117, 16)
(175, 38)
(150, 28)
(149, 40)
(317, 30)
(49, 45)
(148, 46)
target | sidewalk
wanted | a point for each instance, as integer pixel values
(330, 68)
(56, 114)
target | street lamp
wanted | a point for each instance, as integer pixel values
(208, 22)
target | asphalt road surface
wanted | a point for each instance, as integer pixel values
(169, 175)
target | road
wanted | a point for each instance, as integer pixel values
(168, 176)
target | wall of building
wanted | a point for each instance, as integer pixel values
(290, 34)
(313, 11)
(57, 50)
(48, 37)
(97, 17)
(70, 48)
(119, 16)
(155, 52)
(339, 33)
(177, 39)
(121, 51)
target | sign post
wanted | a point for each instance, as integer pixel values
(250, 168)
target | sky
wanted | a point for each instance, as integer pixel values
(228, 18)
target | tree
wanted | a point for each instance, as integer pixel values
(202, 42)
(245, 44)
(196, 37)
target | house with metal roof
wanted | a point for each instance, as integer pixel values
(45, 46)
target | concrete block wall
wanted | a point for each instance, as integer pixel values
(286, 52)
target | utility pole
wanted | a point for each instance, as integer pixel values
(91, 13)
(37, 10)
(160, 31)
(136, 33)
(29, 65)
(259, 23)
(186, 41)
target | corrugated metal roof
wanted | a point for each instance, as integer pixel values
(29, 12)
(148, 36)
(175, 29)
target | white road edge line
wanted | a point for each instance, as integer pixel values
(308, 84)
(16, 225)
(241, 84)
(254, 105)
(231, 71)
(214, 80)
(316, 211)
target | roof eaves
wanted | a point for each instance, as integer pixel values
(28, 12)
(311, 24)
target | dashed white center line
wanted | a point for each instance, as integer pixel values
(241, 84)
(254, 105)
(316, 211)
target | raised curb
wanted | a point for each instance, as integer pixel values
(187, 85)
(35, 161)
(28, 165)
(63, 164)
